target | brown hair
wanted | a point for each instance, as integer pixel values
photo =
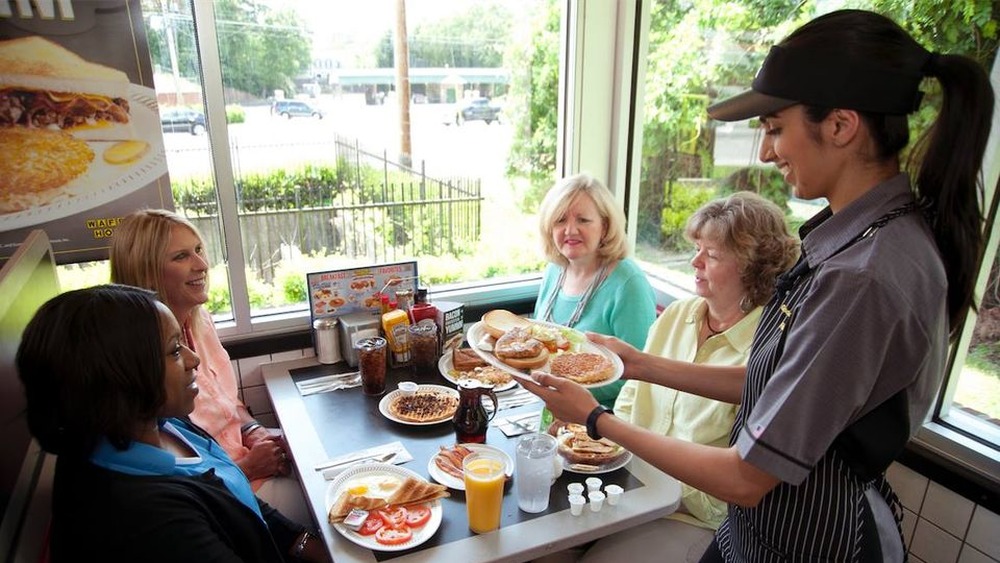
(754, 229)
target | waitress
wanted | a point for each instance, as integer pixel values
(851, 349)
(590, 283)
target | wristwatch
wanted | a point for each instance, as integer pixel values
(592, 420)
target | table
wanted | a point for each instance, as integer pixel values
(322, 426)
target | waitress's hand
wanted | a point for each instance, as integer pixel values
(628, 353)
(568, 400)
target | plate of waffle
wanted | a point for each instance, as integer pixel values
(384, 487)
(429, 404)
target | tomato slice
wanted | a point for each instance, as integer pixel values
(371, 525)
(393, 516)
(393, 536)
(417, 515)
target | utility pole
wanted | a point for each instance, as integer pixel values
(403, 83)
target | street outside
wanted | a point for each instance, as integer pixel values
(268, 142)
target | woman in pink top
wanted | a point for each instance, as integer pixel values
(162, 251)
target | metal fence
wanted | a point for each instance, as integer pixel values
(372, 208)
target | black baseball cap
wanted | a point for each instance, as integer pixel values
(824, 78)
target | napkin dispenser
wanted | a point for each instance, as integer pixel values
(353, 327)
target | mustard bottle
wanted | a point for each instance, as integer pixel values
(395, 325)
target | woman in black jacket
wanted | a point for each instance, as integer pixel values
(109, 386)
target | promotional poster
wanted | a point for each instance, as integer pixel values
(79, 127)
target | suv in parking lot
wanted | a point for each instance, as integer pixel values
(182, 119)
(476, 109)
(294, 108)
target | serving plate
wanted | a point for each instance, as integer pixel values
(383, 405)
(458, 484)
(420, 535)
(445, 366)
(477, 334)
(605, 468)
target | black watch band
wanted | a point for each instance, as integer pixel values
(592, 421)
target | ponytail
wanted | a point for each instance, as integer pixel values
(949, 183)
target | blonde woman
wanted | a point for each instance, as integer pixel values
(159, 250)
(590, 283)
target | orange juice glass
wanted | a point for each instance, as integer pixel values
(484, 479)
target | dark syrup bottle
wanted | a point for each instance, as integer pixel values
(471, 420)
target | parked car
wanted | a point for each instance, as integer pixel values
(182, 120)
(294, 108)
(477, 109)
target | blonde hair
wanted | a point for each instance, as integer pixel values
(754, 229)
(614, 245)
(139, 244)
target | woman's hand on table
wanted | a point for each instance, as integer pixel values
(568, 401)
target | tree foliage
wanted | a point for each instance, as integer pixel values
(532, 105)
(474, 38)
(262, 49)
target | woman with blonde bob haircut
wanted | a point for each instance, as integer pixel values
(159, 250)
(590, 283)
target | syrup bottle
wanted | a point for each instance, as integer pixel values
(471, 420)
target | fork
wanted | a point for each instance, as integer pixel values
(377, 458)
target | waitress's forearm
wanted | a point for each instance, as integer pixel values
(717, 471)
(722, 383)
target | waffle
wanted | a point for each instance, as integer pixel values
(424, 406)
(582, 367)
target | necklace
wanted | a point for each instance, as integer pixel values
(598, 278)
(708, 324)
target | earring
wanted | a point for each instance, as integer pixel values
(746, 305)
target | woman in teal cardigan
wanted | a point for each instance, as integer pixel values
(590, 283)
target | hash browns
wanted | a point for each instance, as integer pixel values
(36, 164)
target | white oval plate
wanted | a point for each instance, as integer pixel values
(606, 468)
(459, 484)
(420, 535)
(477, 333)
(103, 182)
(445, 366)
(383, 405)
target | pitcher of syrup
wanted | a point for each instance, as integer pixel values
(471, 420)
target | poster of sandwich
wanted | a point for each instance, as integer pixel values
(79, 128)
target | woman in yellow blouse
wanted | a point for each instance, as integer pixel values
(741, 245)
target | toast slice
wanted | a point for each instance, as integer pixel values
(413, 491)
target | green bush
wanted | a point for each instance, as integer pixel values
(235, 114)
(683, 201)
(764, 180)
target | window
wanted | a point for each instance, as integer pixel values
(327, 159)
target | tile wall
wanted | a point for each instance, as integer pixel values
(940, 526)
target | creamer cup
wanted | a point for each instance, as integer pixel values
(593, 484)
(596, 500)
(576, 503)
(575, 488)
(614, 493)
